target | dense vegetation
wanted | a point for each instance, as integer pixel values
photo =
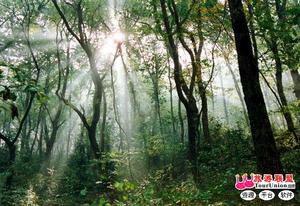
(153, 102)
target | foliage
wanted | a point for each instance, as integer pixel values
(127, 139)
(79, 176)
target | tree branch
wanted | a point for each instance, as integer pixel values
(61, 14)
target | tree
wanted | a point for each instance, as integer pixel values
(86, 45)
(289, 44)
(272, 41)
(63, 76)
(268, 159)
(185, 92)
(194, 52)
(28, 14)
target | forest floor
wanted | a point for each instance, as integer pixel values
(164, 186)
(43, 190)
(181, 193)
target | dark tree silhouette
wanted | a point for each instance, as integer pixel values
(268, 160)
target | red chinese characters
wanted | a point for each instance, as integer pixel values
(257, 178)
(289, 178)
(268, 177)
(278, 177)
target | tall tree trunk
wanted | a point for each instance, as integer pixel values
(268, 160)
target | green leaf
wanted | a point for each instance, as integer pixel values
(83, 192)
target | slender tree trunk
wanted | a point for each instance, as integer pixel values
(238, 90)
(24, 138)
(56, 124)
(204, 116)
(40, 149)
(268, 160)
(202, 91)
(68, 142)
(224, 100)
(70, 128)
(121, 142)
(103, 125)
(286, 113)
(171, 101)
(36, 131)
(157, 104)
(181, 123)
(212, 99)
(266, 97)
(273, 118)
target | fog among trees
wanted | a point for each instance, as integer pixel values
(146, 102)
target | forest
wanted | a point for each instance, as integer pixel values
(148, 102)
